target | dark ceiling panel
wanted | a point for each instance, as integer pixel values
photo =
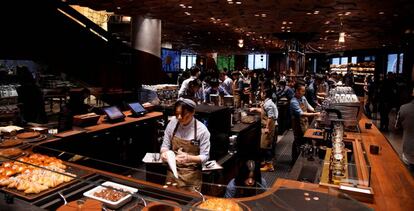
(368, 24)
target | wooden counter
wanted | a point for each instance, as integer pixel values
(392, 183)
(102, 125)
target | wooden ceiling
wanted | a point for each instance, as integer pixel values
(216, 25)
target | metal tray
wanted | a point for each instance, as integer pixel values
(70, 169)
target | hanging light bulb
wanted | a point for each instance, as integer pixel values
(341, 37)
(241, 43)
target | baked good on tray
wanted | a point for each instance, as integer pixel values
(10, 143)
(31, 179)
(28, 135)
(10, 152)
(220, 204)
(88, 204)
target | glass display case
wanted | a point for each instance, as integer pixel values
(37, 176)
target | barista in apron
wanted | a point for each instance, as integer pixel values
(189, 139)
(300, 110)
(237, 88)
(269, 114)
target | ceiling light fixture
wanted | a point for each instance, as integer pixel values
(381, 13)
(187, 13)
(327, 22)
(241, 43)
(308, 13)
(316, 12)
(238, 2)
(341, 33)
(347, 13)
(284, 22)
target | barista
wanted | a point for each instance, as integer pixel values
(189, 139)
(300, 110)
(237, 88)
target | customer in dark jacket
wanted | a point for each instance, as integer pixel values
(30, 97)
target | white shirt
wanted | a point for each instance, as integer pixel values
(186, 132)
(271, 109)
(184, 85)
(227, 85)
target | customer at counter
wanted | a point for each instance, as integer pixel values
(269, 115)
(195, 72)
(405, 120)
(189, 139)
(247, 181)
(226, 82)
(214, 88)
(237, 88)
(300, 110)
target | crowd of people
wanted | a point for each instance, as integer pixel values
(261, 91)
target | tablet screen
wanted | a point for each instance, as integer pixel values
(113, 112)
(137, 108)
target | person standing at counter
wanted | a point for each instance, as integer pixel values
(300, 110)
(269, 115)
(237, 88)
(214, 88)
(189, 139)
(195, 72)
(405, 120)
(226, 82)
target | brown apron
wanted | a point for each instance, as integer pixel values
(300, 125)
(189, 174)
(266, 139)
(236, 94)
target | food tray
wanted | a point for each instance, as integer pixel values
(111, 204)
(30, 197)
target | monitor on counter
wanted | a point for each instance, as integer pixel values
(137, 109)
(114, 114)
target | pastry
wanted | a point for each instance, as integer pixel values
(88, 204)
(10, 142)
(220, 204)
(10, 152)
(28, 135)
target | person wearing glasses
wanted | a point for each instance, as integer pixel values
(189, 139)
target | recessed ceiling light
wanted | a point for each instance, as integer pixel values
(381, 13)
(290, 22)
(316, 12)
(407, 31)
(288, 30)
(327, 31)
(194, 20)
(264, 15)
(257, 15)
(282, 27)
(284, 22)
(308, 13)
(340, 14)
(238, 2)
(347, 13)
(218, 19)
(118, 8)
(189, 7)
(226, 24)
(187, 13)
(327, 22)
(230, 2)
(212, 18)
